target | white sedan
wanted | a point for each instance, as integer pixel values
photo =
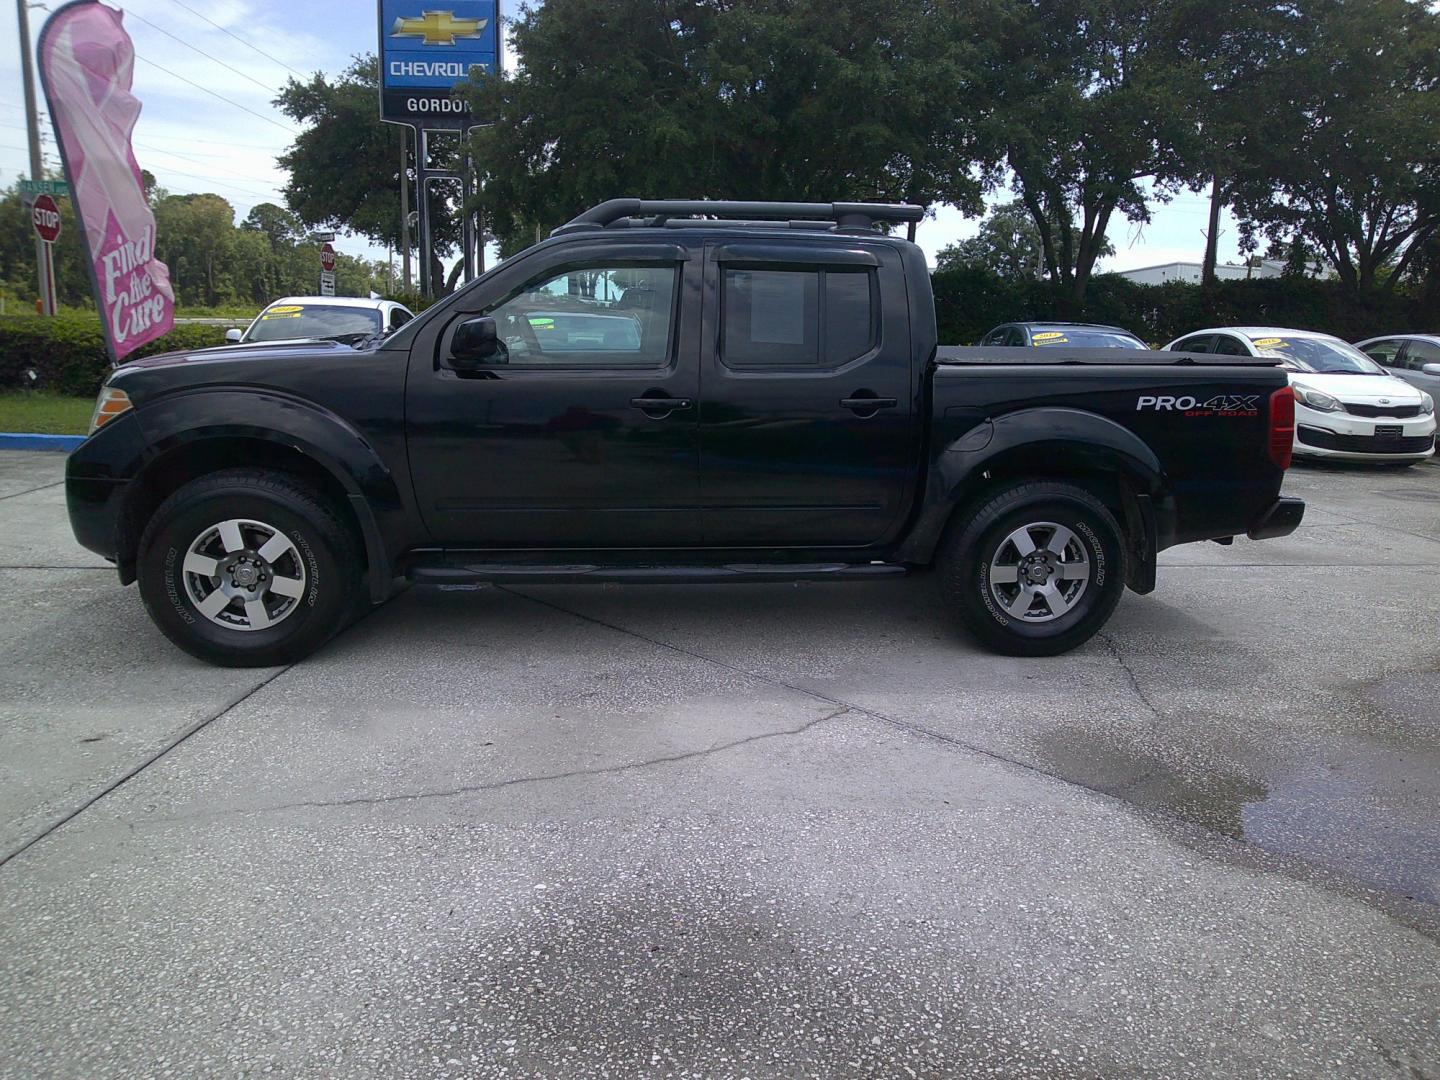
(1346, 405)
(347, 319)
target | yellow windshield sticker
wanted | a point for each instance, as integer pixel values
(285, 307)
(1271, 343)
(1050, 337)
(280, 315)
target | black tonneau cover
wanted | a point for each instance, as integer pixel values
(1055, 354)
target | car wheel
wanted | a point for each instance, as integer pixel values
(1036, 569)
(248, 568)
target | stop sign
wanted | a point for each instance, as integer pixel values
(45, 216)
(327, 257)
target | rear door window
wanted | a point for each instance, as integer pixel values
(1201, 343)
(797, 318)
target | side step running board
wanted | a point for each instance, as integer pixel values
(651, 575)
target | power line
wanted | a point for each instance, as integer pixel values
(182, 157)
(222, 97)
(242, 41)
(202, 52)
(210, 142)
(249, 193)
(216, 179)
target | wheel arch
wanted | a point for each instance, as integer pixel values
(1072, 445)
(320, 450)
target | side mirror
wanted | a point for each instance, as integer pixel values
(1430, 369)
(232, 336)
(476, 342)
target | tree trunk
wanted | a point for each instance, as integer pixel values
(1212, 236)
(1042, 226)
(455, 272)
(1092, 240)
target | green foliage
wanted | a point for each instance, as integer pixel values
(1087, 99)
(1008, 244)
(345, 166)
(1351, 167)
(41, 412)
(971, 301)
(67, 353)
(213, 262)
(17, 254)
(771, 99)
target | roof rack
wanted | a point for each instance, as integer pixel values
(846, 216)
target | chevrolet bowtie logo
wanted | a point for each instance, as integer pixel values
(438, 28)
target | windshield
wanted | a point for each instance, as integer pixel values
(285, 321)
(1087, 339)
(1323, 356)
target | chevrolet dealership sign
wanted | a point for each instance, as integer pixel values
(426, 51)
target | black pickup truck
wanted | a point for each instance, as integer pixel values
(669, 391)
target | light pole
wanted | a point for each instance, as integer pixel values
(37, 164)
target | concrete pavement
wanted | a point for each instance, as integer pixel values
(754, 831)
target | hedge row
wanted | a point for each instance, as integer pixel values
(66, 353)
(970, 302)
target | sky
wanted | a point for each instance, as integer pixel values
(244, 50)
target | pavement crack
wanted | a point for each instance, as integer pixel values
(135, 771)
(30, 491)
(907, 726)
(1313, 876)
(1156, 716)
(516, 781)
(29, 566)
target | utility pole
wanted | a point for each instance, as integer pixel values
(37, 164)
(404, 208)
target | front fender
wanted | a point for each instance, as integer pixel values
(1042, 442)
(179, 419)
(185, 422)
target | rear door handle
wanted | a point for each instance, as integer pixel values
(869, 404)
(660, 404)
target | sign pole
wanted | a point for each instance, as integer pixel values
(37, 164)
(422, 176)
(467, 192)
(405, 207)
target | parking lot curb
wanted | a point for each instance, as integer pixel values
(20, 440)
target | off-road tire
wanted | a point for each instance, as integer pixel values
(976, 540)
(323, 549)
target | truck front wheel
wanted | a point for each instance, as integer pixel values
(247, 568)
(1036, 570)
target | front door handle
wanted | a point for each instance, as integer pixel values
(869, 405)
(660, 404)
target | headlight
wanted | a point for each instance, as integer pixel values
(1427, 404)
(111, 403)
(1316, 399)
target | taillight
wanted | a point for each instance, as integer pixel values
(1282, 426)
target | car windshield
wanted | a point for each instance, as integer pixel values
(286, 321)
(1323, 356)
(1086, 339)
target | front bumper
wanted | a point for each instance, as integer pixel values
(97, 481)
(1357, 438)
(1282, 519)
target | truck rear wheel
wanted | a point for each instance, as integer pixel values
(248, 568)
(1036, 570)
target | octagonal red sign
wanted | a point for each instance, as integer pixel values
(45, 216)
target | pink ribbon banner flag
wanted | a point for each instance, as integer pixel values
(87, 65)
